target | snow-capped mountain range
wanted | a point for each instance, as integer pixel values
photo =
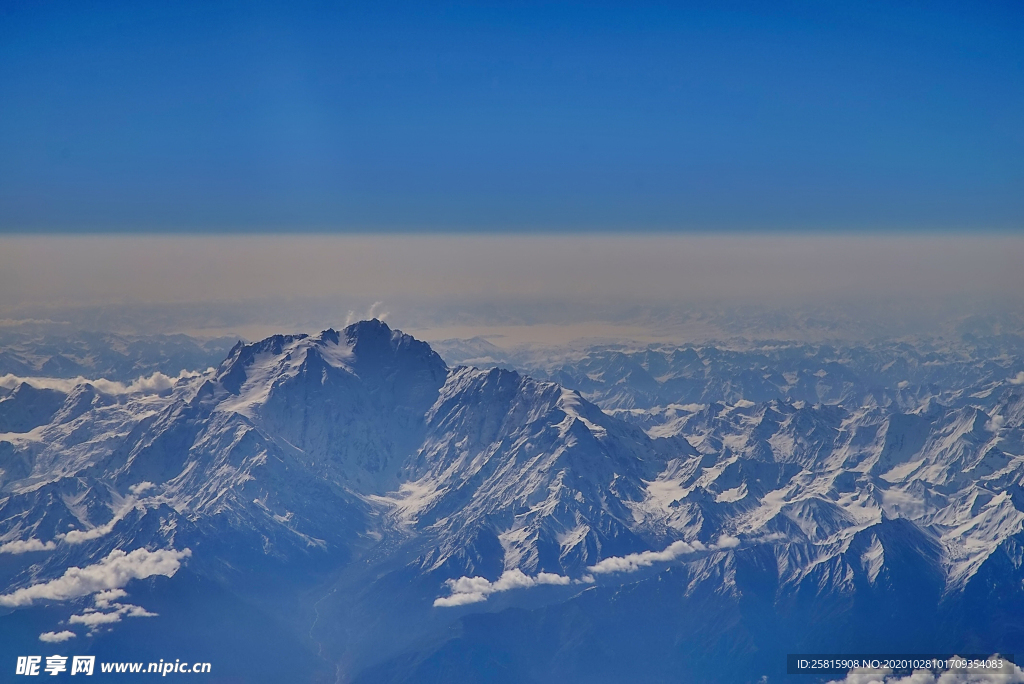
(667, 514)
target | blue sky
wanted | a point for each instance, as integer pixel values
(148, 116)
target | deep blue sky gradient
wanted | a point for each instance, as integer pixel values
(212, 116)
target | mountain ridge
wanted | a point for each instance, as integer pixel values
(378, 484)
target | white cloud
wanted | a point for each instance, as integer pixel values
(106, 601)
(157, 382)
(459, 600)
(95, 618)
(995, 423)
(137, 611)
(33, 544)
(80, 536)
(727, 542)
(56, 637)
(150, 384)
(1018, 379)
(927, 677)
(141, 487)
(75, 536)
(466, 590)
(634, 561)
(104, 598)
(113, 572)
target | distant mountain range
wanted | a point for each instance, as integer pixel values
(346, 507)
(117, 357)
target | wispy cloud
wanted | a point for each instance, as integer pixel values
(95, 618)
(113, 572)
(376, 310)
(634, 561)
(81, 536)
(466, 590)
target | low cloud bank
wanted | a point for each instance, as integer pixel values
(150, 384)
(466, 590)
(113, 572)
(635, 561)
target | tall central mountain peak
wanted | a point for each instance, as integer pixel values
(377, 422)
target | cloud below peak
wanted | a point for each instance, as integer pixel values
(150, 384)
(113, 572)
(469, 590)
(635, 561)
(19, 546)
(466, 590)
